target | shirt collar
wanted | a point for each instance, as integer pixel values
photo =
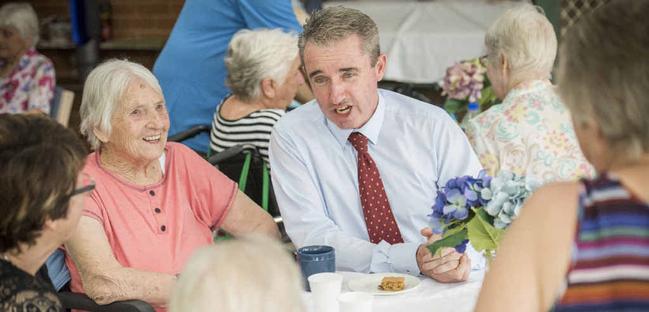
(371, 129)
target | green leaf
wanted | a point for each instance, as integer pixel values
(453, 106)
(482, 235)
(451, 240)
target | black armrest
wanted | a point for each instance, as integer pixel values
(192, 132)
(80, 301)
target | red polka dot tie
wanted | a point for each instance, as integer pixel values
(379, 219)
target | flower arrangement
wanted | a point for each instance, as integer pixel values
(467, 82)
(477, 210)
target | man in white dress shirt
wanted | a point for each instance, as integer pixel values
(414, 146)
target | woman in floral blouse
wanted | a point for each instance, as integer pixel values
(26, 76)
(530, 133)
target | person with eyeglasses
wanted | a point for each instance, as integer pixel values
(41, 201)
(529, 132)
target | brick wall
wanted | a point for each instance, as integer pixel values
(130, 18)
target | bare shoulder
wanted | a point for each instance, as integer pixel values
(554, 198)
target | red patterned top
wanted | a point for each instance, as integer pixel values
(29, 86)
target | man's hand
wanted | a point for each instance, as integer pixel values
(447, 267)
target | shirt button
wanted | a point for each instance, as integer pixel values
(163, 228)
(157, 210)
(152, 193)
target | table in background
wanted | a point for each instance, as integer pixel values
(428, 296)
(423, 38)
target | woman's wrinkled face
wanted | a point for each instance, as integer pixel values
(287, 90)
(12, 45)
(139, 125)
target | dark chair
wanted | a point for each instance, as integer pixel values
(244, 164)
(79, 301)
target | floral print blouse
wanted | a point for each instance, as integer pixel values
(529, 134)
(29, 86)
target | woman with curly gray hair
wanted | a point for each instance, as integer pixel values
(264, 76)
(26, 77)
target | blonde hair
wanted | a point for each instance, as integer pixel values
(526, 38)
(102, 92)
(252, 274)
(604, 74)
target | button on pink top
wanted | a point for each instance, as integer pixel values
(157, 227)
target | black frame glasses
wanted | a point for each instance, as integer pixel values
(83, 189)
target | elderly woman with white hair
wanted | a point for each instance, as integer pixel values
(155, 201)
(251, 274)
(264, 76)
(529, 133)
(26, 77)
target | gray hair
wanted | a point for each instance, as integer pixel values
(103, 91)
(337, 23)
(604, 73)
(247, 275)
(21, 15)
(526, 38)
(255, 55)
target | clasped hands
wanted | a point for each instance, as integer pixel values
(448, 266)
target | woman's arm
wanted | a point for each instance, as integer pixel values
(534, 256)
(247, 217)
(104, 279)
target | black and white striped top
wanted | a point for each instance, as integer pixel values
(254, 129)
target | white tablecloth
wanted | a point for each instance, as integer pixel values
(428, 296)
(422, 39)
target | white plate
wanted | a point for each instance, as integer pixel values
(370, 284)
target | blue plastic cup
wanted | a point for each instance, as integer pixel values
(315, 259)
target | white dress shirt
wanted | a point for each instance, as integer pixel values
(416, 147)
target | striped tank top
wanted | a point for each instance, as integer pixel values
(253, 129)
(610, 264)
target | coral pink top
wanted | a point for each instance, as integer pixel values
(157, 227)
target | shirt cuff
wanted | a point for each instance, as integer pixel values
(400, 258)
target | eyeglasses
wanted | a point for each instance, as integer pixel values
(88, 185)
(484, 59)
(83, 189)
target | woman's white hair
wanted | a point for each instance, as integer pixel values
(21, 15)
(526, 38)
(244, 275)
(255, 55)
(104, 90)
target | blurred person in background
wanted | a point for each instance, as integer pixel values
(529, 133)
(26, 77)
(41, 201)
(251, 274)
(191, 69)
(263, 76)
(596, 255)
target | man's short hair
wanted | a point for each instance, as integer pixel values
(337, 23)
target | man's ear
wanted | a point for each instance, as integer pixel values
(380, 66)
(101, 135)
(268, 88)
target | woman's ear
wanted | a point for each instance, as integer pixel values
(101, 135)
(268, 88)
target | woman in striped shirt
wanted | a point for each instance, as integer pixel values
(584, 246)
(263, 75)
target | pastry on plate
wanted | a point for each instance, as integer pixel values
(392, 283)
